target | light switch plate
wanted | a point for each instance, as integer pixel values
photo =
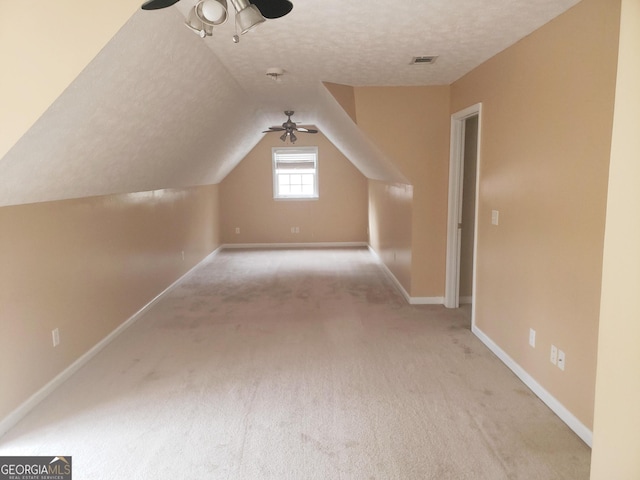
(495, 217)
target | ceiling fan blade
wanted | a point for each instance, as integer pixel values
(307, 130)
(157, 4)
(274, 129)
(273, 8)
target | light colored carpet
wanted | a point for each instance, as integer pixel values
(298, 364)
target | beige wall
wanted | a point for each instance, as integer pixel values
(390, 224)
(39, 45)
(345, 96)
(338, 215)
(546, 135)
(616, 443)
(85, 266)
(411, 125)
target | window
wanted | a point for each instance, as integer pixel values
(295, 172)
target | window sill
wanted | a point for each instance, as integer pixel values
(290, 199)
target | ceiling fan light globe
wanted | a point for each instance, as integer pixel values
(213, 12)
(248, 18)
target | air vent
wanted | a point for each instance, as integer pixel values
(424, 60)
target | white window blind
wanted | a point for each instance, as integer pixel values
(295, 172)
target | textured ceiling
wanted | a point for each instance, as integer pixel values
(160, 107)
(373, 42)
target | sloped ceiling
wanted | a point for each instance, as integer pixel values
(159, 107)
(43, 48)
(152, 110)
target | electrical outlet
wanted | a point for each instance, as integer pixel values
(237, 230)
(554, 354)
(183, 255)
(532, 337)
(495, 217)
(561, 360)
(55, 335)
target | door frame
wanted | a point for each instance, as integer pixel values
(456, 176)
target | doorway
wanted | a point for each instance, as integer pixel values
(463, 189)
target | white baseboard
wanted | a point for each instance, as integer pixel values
(396, 282)
(19, 413)
(426, 300)
(410, 300)
(560, 410)
(231, 246)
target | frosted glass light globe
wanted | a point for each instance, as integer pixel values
(213, 11)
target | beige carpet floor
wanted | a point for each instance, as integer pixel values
(298, 364)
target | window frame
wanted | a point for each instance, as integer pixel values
(275, 151)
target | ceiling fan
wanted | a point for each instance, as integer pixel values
(268, 8)
(289, 128)
(207, 14)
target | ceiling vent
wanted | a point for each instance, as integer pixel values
(424, 60)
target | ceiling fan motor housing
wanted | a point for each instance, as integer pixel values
(289, 128)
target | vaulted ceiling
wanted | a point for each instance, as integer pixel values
(159, 107)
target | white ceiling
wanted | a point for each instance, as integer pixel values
(160, 107)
